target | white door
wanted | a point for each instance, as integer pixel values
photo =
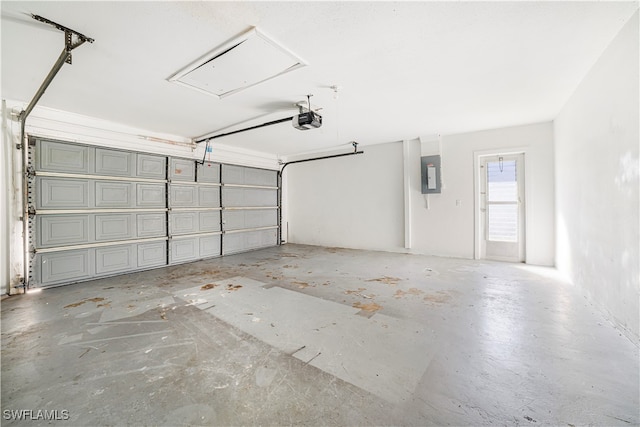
(502, 207)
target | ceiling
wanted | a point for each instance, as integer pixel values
(404, 69)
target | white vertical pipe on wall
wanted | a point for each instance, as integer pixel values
(406, 161)
(5, 206)
(11, 207)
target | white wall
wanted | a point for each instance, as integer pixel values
(358, 201)
(354, 201)
(597, 182)
(448, 226)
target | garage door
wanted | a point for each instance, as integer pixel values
(97, 212)
(250, 214)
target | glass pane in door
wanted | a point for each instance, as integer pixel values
(502, 201)
(502, 184)
(503, 223)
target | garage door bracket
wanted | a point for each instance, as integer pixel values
(72, 39)
(281, 171)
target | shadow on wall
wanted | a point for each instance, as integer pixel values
(628, 174)
(563, 249)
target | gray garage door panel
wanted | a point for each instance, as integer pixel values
(209, 196)
(249, 240)
(184, 249)
(61, 230)
(65, 266)
(120, 212)
(110, 227)
(153, 167)
(58, 157)
(252, 218)
(152, 254)
(114, 163)
(115, 259)
(183, 223)
(249, 197)
(114, 194)
(151, 195)
(209, 221)
(182, 170)
(151, 225)
(209, 246)
(232, 174)
(208, 172)
(183, 196)
(59, 193)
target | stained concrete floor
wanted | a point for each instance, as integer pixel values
(318, 336)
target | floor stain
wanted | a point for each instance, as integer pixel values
(301, 285)
(412, 291)
(289, 266)
(334, 250)
(387, 280)
(79, 303)
(371, 307)
(233, 287)
(208, 286)
(439, 297)
(357, 292)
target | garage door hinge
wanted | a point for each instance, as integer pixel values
(31, 172)
(31, 210)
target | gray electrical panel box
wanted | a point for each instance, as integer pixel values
(431, 178)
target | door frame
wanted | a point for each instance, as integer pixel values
(477, 177)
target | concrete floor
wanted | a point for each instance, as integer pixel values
(309, 335)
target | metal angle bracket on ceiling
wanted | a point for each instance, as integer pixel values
(68, 35)
(65, 57)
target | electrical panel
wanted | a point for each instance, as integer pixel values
(430, 177)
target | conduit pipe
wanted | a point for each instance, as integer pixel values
(65, 57)
(281, 171)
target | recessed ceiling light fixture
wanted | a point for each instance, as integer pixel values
(245, 61)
